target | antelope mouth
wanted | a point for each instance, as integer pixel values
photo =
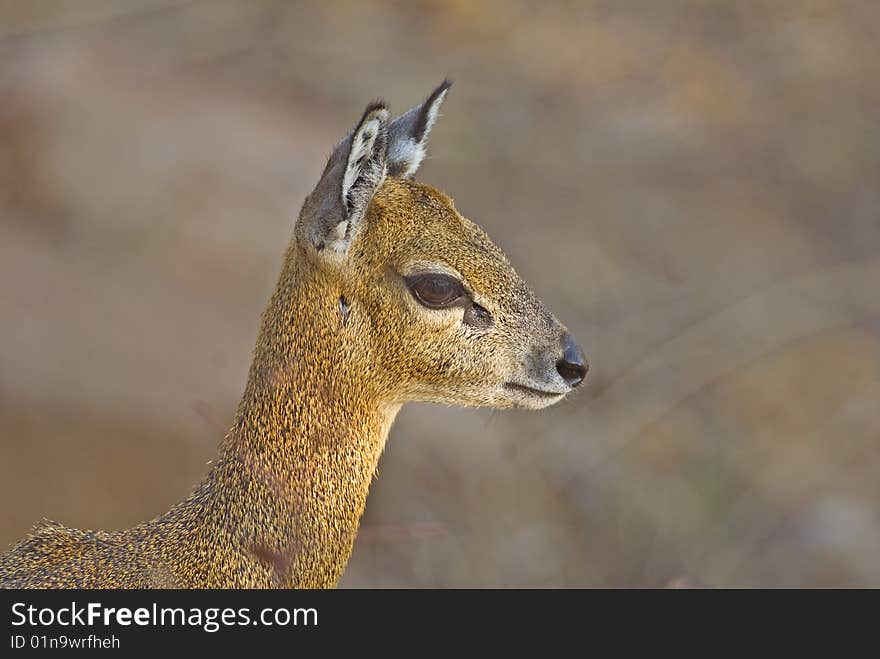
(531, 391)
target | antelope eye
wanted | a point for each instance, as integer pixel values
(435, 291)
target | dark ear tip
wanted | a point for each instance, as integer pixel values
(378, 104)
(442, 87)
(375, 107)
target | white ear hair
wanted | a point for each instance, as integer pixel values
(408, 134)
(365, 153)
(363, 148)
(333, 214)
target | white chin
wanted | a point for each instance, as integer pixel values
(530, 398)
(535, 403)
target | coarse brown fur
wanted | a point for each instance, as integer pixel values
(343, 344)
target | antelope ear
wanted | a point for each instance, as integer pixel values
(333, 213)
(408, 134)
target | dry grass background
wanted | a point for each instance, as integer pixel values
(693, 187)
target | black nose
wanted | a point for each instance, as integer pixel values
(573, 365)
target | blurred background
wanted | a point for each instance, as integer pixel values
(692, 187)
